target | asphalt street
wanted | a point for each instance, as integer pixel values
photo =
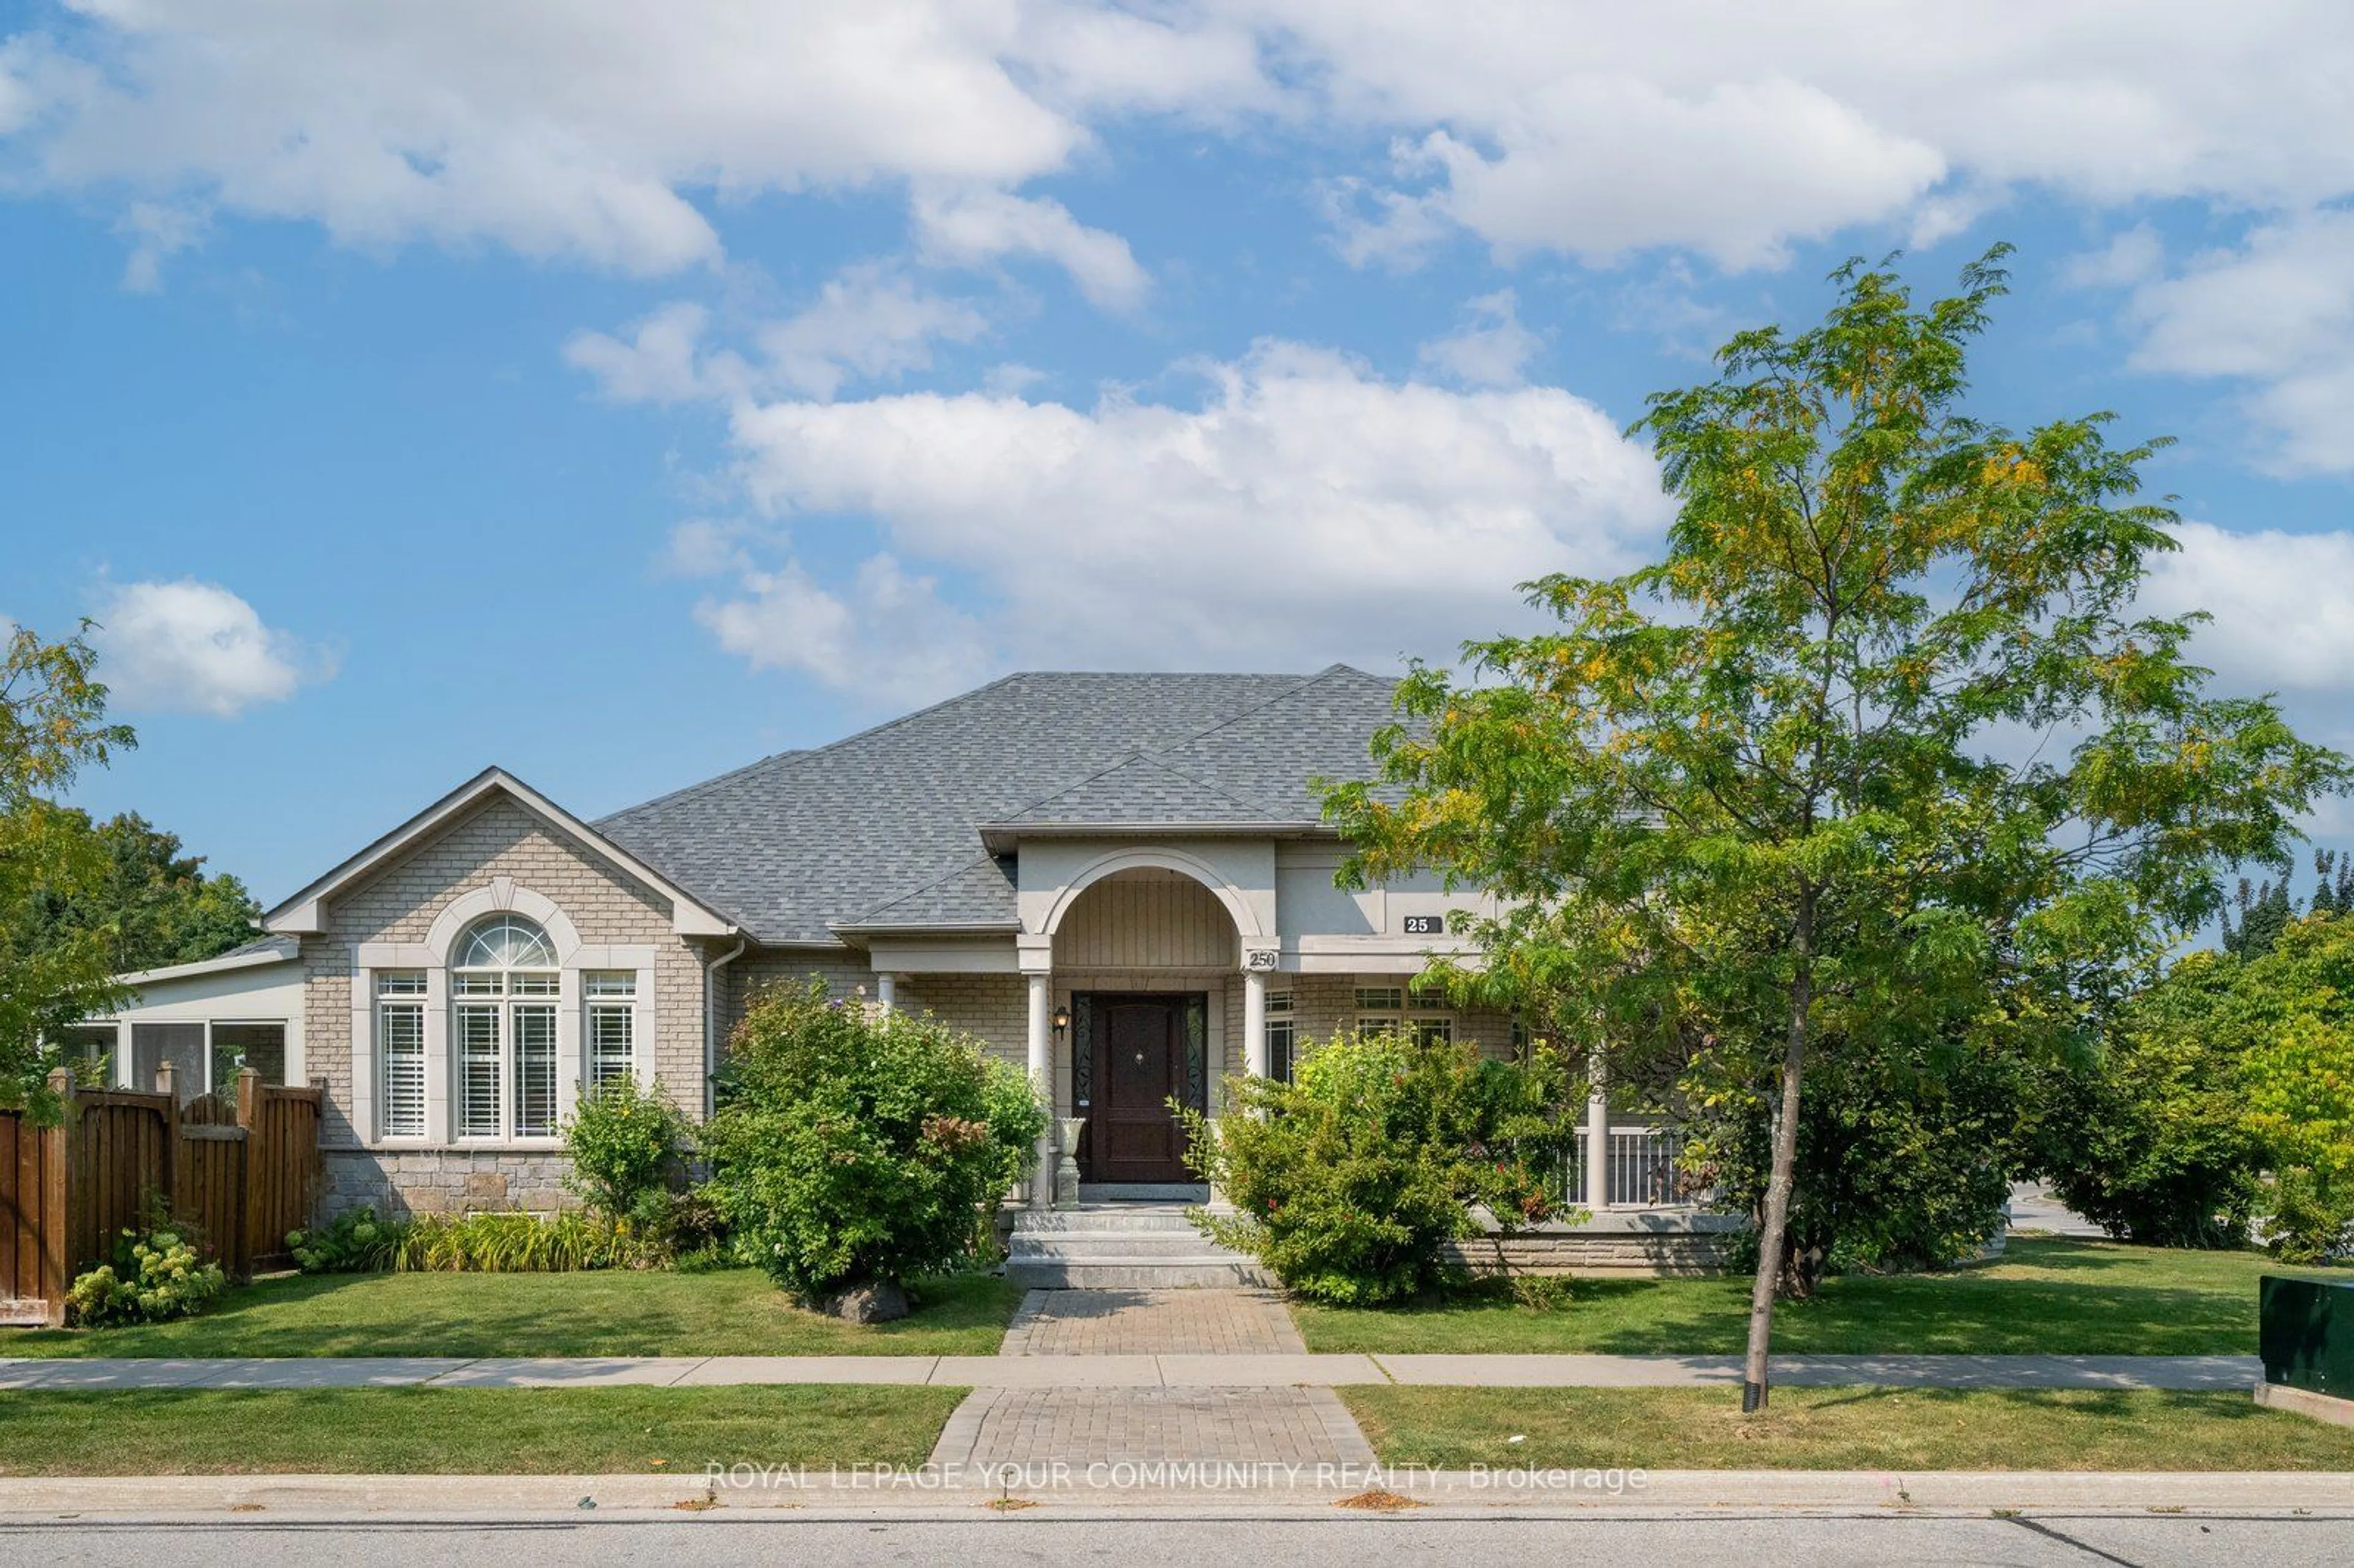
(2058, 1541)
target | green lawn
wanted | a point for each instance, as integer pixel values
(1842, 1429)
(2058, 1297)
(601, 1313)
(453, 1431)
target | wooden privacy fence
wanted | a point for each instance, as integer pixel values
(245, 1172)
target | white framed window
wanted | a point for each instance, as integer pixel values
(1282, 1035)
(610, 1027)
(400, 1053)
(502, 990)
(1416, 1012)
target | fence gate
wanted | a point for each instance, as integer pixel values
(245, 1172)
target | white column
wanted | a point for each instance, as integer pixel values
(1042, 1074)
(887, 990)
(1597, 1139)
(1255, 1022)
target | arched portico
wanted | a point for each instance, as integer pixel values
(1147, 994)
(1237, 908)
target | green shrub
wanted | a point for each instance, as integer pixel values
(158, 1274)
(353, 1242)
(510, 1244)
(2311, 1221)
(627, 1144)
(1349, 1181)
(850, 1147)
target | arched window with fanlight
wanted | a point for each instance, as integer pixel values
(503, 988)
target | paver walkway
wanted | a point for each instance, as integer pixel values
(1077, 1420)
(1175, 1370)
(1151, 1322)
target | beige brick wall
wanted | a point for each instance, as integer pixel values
(399, 903)
(760, 968)
(996, 1008)
(1325, 1005)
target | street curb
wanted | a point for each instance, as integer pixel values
(864, 1495)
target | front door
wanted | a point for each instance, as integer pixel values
(1134, 1053)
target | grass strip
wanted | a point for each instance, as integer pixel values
(735, 1312)
(437, 1431)
(1842, 1429)
(2047, 1296)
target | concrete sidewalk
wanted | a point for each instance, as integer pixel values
(1278, 1370)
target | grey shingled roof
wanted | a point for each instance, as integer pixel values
(884, 827)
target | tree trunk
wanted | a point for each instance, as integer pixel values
(1773, 1236)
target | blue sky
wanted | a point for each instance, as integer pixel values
(620, 393)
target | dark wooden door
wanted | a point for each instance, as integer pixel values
(1143, 1052)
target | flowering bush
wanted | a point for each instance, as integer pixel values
(157, 1274)
(353, 1242)
(850, 1150)
(1349, 1181)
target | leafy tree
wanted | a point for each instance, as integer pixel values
(1905, 1149)
(2266, 911)
(52, 725)
(2148, 1136)
(2290, 1013)
(1879, 754)
(153, 906)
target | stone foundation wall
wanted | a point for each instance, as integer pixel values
(399, 1185)
(1654, 1254)
(1653, 1242)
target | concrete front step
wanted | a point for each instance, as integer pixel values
(1123, 1221)
(1113, 1272)
(1082, 1244)
(1121, 1247)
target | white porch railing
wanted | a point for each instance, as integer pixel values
(1644, 1171)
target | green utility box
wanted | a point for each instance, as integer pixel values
(2304, 1333)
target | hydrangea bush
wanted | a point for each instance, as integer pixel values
(158, 1274)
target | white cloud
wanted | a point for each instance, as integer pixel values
(2282, 618)
(1734, 130)
(156, 231)
(573, 128)
(1490, 349)
(195, 647)
(886, 634)
(662, 361)
(1615, 165)
(870, 322)
(1305, 510)
(2132, 256)
(2278, 312)
(594, 129)
(972, 228)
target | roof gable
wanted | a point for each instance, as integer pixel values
(304, 912)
